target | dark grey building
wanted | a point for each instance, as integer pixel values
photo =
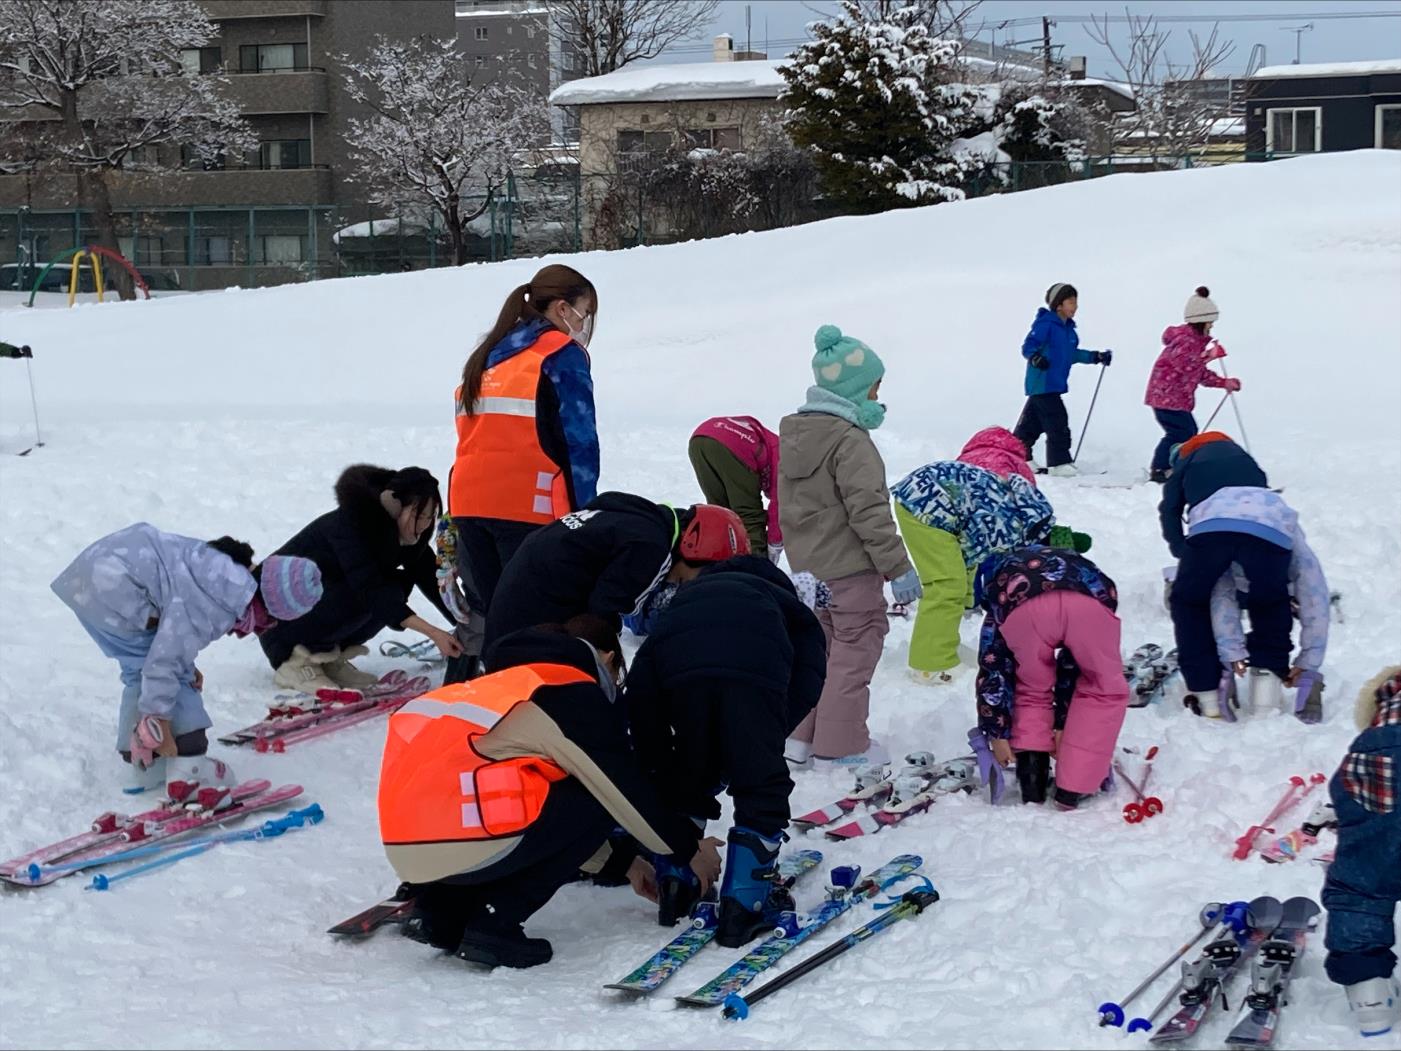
(264, 218)
(1324, 108)
(519, 38)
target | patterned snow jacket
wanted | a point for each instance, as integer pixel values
(987, 513)
(1180, 369)
(1004, 582)
(998, 450)
(1370, 770)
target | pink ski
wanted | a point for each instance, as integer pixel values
(913, 791)
(302, 711)
(1295, 794)
(384, 706)
(153, 825)
(872, 786)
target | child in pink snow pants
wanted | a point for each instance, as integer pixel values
(1050, 679)
(834, 507)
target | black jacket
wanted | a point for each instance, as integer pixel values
(1208, 468)
(357, 549)
(602, 559)
(735, 663)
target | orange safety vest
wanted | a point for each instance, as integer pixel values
(435, 787)
(501, 471)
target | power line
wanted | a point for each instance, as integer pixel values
(1238, 17)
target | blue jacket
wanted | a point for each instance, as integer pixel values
(1197, 477)
(985, 512)
(1056, 338)
(567, 425)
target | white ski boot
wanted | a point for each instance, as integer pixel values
(1206, 703)
(140, 778)
(1063, 470)
(199, 781)
(1265, 691)
(305, 671)
(1375, 1005)
(346, 675)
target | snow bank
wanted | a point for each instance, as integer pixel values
(234, 412)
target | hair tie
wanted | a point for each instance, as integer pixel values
(527, 290)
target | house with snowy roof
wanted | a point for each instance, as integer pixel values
(1324, 108)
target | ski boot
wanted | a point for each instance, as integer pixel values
(1265, 690)
(1308, 698)
(678, 890)
(1206, 703)
(1033, 774)
(199, 782)
(1375, 1005)
(751, 898)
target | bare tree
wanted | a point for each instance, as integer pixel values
(1174, 114)
(605, 35)
(90, 82)
(435, 136)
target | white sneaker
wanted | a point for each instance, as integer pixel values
(1063, 470)
(346, 675)
(305, 671)
(1266, 691)
(797, 753)
(1375, 1005)
(930, 678)
(876, 754)
(1206, 703)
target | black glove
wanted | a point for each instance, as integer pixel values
(1040, 361)
(1104, 357)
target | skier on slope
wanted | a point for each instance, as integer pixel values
(1363, 884)
(736, 463)
(494, 793)
(952, 516)
(606, 559)
(1050, 678)
(1181, 368)
(732, 666)
(1051, 348)
(151, 601)
(372, 550)
(1233, 518)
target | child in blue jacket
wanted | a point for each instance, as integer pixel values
(1050, 348)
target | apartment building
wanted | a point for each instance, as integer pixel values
(264, 218)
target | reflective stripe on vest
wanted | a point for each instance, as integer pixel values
(436, 787)
(501, 471)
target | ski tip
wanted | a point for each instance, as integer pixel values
(736, 1008)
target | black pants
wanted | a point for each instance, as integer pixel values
(570, 829)
(1208, 558)
(1045, 414)
(341, 619)
(1178, 425)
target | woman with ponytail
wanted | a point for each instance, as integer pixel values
(527, 440)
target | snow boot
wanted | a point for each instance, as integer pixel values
(199, 780)
(305, 671)
(1066, 799)
(750, 898)
(497, 943)
(798, 754)
(1266, 691)
(678, 890)
(1375, 1005)
(875, 754)
(1033, 773)
(346, 675)
(440, 915)
(1063, 470)
(1206, 703)
(1308, 698)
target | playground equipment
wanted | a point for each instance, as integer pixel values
(94, 255)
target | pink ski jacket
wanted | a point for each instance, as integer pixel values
(757, 448)
(1180, 369)
(998, 450)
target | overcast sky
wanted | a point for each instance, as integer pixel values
(1332, 39)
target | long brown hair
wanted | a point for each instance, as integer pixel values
(525, 303)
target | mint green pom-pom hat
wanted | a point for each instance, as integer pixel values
(843, 365)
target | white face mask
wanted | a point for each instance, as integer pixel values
(584, 332)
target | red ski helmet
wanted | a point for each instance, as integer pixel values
(713, 534)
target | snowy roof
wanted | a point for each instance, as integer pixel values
(675, 82)
(1091, 82)
(1329, 69)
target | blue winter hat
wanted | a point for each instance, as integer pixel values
(845, 366)
(290, 585)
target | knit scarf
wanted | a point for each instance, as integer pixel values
(868, 415)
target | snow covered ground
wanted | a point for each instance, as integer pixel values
(234, 413)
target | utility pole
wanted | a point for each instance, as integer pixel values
(1046, 24)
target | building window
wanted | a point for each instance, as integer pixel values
(1294, 130)
(190, 158)
(280, 248)
(479, 61)
(284, 153)
(268, 58)
(530, 32)
(479, 33)
(569, 61)
(214, 251)
(195, 60)
(713, 139)
(530, 60)
(1389, 127)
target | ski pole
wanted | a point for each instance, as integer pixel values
(1139, 1025)
(267, 830)
(1216, 411)
(911, 904)
(33, 401)
(101, 882)
(1213, 916)
(1085, 428)
(1232, 396)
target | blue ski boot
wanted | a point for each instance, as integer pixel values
(751, 898)
(678, 890)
